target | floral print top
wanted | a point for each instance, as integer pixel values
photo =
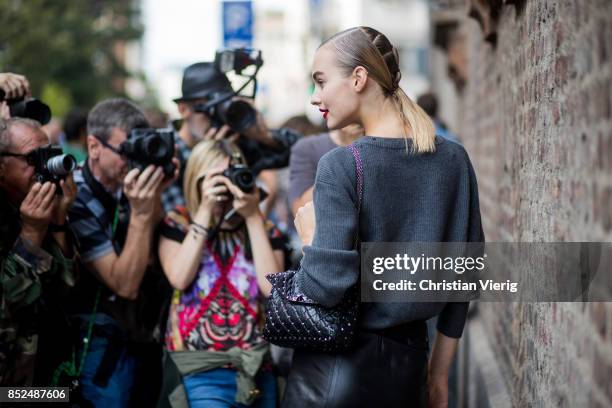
(221, 308)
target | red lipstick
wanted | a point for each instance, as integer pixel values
(325, 113)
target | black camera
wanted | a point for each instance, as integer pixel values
(147, 146)
(30, 108)
(223, 108)
(238, 115)
(51, 164)
(240, 175)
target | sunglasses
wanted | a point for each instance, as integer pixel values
(30, 157)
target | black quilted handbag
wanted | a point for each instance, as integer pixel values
(295, 321)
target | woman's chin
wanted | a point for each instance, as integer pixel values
(333, 124)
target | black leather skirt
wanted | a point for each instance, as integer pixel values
(386, 368)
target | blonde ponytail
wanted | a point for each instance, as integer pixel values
(423, 131)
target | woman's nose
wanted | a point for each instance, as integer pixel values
(315, 100)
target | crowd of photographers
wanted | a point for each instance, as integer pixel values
(105, 263)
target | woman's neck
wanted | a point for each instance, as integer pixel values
(341, 138)
(381, 119)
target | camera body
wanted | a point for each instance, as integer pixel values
(51, 164)
(146, 146)
(240, 175)
(30, 108)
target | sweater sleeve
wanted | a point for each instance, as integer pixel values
(451, 320)
(331, 264)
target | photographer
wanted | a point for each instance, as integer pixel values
(114, 217)
(217, 266)
(263, 148)
(37, 257)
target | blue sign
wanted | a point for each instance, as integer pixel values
(237, 24)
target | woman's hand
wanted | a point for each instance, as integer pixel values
(305, 223)
(437, 385)
(212, 192)
(246, 204)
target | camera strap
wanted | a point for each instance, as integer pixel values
(109, 146)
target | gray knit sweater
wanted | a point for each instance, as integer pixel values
(406, 198)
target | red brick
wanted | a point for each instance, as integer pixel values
(548, 157)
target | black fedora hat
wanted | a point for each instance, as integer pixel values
(201, 80)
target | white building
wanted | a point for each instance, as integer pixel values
(288, 32)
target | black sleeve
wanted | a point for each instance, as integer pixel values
(173, 227)
(262, 157)
(278, 240)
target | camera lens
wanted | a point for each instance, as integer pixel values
(61, 165)
(31, 108)
(245, 180)
(154, 148)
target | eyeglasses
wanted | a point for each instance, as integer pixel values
(29, 157)
(114, 149)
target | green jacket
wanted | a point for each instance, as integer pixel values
(178, 364)
(27, 273)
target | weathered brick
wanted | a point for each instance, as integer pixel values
(543, 98)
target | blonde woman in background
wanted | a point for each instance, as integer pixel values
(213, 333)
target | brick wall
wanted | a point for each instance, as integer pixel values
(535, 115)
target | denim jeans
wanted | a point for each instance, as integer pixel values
(217, 389)
(117, 392)
(135, 378)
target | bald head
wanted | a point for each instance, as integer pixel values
(17, 131)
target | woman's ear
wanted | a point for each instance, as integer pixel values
(359, 78)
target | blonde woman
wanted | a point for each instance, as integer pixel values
(416, 187)
(218, 269)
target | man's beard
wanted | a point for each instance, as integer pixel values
(197, 131)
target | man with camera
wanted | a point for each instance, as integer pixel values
(114, 216)
(211, 109)
(36, 252)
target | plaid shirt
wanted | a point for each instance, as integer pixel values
(91, 222)
(172, 196)
(100, 221)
